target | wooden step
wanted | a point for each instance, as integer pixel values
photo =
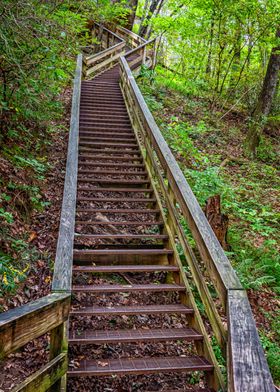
(116, 182)
(146, 365)
(111, 151)
(128, 134)
(110, 145)
(141, 173)
(115, 252)
(108, 105)
(124, 268)
(144, 200)
(113, 122)
(118, 223)
(105, 139)
(116, 190)
(122, 236)
(131, 310)
(134, 335)
(113, 164)
(118, 288)
(111, 157)
(117, 210)
(98, 116)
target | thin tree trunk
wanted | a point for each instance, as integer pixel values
(155, 14)
(209, 57)
(235, 65)
(131, 17)
(144, 28)
(144, 15)
(265, 99)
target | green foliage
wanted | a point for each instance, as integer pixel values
(220, 47)
(248, 189)
(9, 275)
(272, 351)
(177, 135)
(7, 216)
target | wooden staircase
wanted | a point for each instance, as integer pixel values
(120, 230)
(124, 312)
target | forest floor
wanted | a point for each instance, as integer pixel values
(207, 140)
(32, 180)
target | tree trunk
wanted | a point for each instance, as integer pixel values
(265, 99)
(209, 57)
(130, 19)
(149, 31)
(144, 27)
(217, 220)
(235, 65)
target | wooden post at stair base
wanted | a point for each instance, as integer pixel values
(58, 345)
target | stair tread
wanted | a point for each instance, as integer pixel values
(133, 310)
(126, 190)
(125, 268)
(113, 181)
(118, 200)
(117, 288)
(130, 335)
(118, 223)
(143, 365)
(120, 236)
(115, 172)
(122, 251)
(119, 210)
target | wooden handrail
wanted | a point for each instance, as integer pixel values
(62, 277)
(246, 363)
(132, 51)
(131, 34)
(20, 325)
(98, 56)
(23, 324)
(108, 31)
(219, 267)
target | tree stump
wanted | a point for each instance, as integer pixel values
(217, 220)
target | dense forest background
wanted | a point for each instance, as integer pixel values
(215, 95)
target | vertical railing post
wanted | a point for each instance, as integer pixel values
(58, 345)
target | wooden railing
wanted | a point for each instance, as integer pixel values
(247, 369)
(111, 48)
(50, 313)
(23, 324)
(133, 40)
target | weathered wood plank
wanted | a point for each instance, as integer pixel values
(58, 345)
(62, 276)
(44, 378)
(25, 323)
(219, 267)
(106, 62)
(98, 56)
(247, 367)
(138, 49)
(130, 34)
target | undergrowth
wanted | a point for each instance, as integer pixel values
(209, 149)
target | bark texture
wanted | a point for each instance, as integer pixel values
(217, 220)
(265, 99)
